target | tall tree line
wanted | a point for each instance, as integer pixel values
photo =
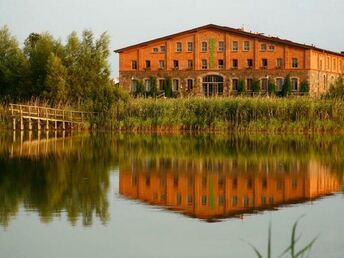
(76, 72)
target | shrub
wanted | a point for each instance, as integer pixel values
(286, 88)
(305, 87)
(241, 86)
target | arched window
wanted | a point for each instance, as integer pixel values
(213, 85)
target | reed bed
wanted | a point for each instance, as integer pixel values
(301, 114)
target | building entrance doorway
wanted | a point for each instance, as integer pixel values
(213, 85)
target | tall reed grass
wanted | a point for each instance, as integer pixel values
(301, 114)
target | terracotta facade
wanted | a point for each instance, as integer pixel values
(228, 55)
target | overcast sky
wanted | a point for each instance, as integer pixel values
(319, 22)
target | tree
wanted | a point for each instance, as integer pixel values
(255, 85)
(14, 68)
(241, 86)
(154, 88)
(38, 48)
(286, 88)
(305, 87)
(168, 88)
(337, 88)
(271, 88)
(55, 80)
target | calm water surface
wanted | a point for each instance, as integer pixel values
(168, 196)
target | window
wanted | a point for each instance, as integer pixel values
(204, 200)
(263, 47)
(263, 200)
(134, 84)
(294, 63)
(175, 84)
(162, 84)
(294, 84)
(235, 182)
(221, 46)
(279, 62)
(162, 64)
(264, 84)
(204, 64)
(235, 83)
(279, 84)
(134, 65)
(189, 85)
(155, 50)
(249, 83)
(249, 63)
(190, 199)
(221, 63)
(334, 64)
(147, 85)
(271, 48)
(162, 49)
(246, 46)
(221, 200)
(246, 201)
(320, 65)
(190, 64)
(175, 64)
(235, 46)
(294, 183)
(190, 46)
(235, 63)
(148, 64)
(204, 46)
(178, 47)
(179, 199)
(234, 200)
(264, 63)
(328, 63)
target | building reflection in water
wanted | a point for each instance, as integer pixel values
(221, 189)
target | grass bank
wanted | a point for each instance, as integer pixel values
(301, 114)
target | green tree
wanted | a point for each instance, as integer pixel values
(154, 87)
(255, 85)
(305, 87)
(271, 88)
(168, 88)
(241, 87)
(55, 80)
(286, 88)
(38, 48)
(14, 68)
(337, 88)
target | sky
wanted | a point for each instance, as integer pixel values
(318, 22)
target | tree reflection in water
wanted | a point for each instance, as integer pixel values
(72, 177)
(202, 176)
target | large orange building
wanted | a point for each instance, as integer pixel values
(213, 60)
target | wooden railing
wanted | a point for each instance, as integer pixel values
(50, 114)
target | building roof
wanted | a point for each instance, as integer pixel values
(234, 31)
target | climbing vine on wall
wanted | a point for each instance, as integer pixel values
(211, 53)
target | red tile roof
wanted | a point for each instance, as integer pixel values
(234, 31)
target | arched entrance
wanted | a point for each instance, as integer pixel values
(212, 85)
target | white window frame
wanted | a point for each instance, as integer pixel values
(221, 46)
(293, 64)
(263, 47)
(155, 50)
(190, 46)
(204, 64)
(297, 83)
(204, 46)
(235, 46)
(223, 64)
(246, 46)
(160, 64)
(173, 84)
(148, 85)
(179, 47)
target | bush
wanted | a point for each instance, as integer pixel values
(286, 88)
(241, 86)
(305, 87)
(337, 89)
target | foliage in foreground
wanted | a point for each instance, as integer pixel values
(241, 113)
(291, 250)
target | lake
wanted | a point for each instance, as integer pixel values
(129, 195)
